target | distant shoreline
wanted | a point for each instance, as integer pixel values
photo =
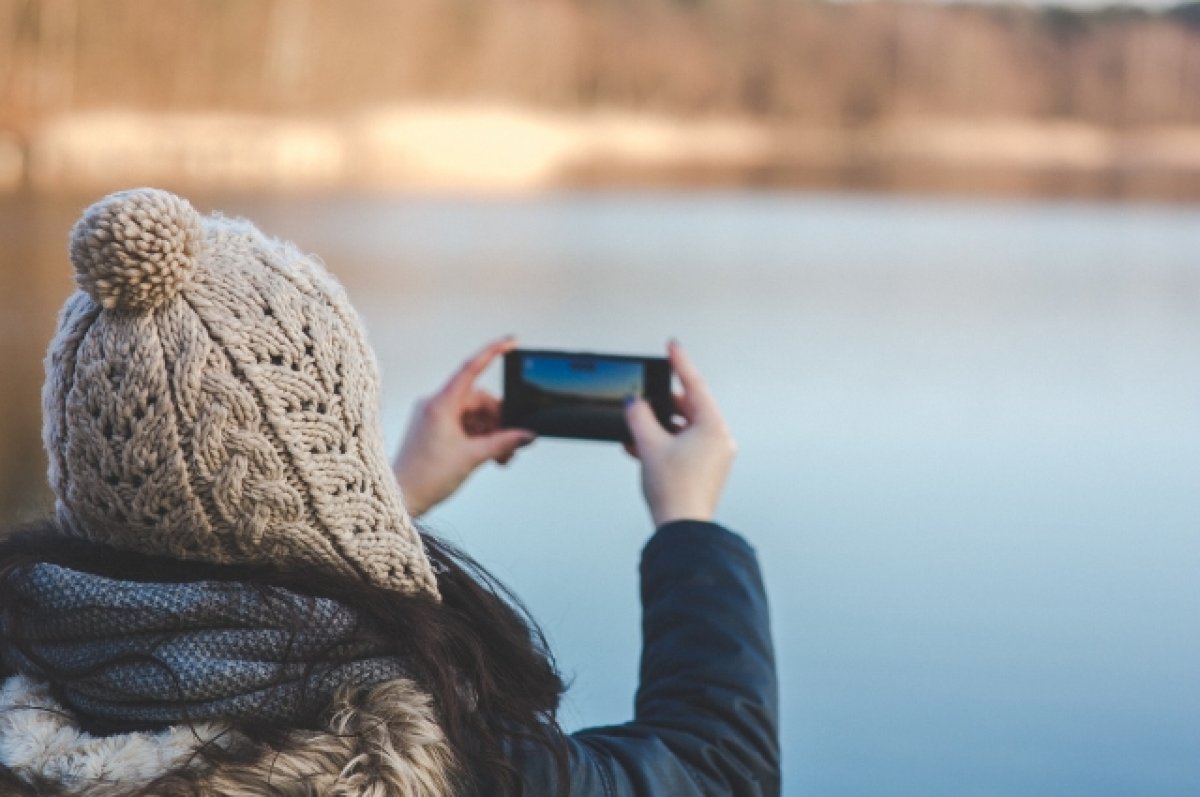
(508, 150)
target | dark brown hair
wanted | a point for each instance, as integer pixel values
(478, 653)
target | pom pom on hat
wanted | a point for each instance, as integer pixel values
(134, 250)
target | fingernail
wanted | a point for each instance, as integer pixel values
(629, 399)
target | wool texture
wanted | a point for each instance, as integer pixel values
(210, 395)
(141, 655)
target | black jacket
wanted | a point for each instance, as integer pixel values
(706, 718)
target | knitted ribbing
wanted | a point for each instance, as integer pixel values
(221, 404)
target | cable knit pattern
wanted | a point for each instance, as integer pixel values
(210, 395)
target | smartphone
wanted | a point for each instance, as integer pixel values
(581, 395)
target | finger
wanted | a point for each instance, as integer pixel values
(683, 406)
(695, 390)
(499, 445)
(476, 423)
(646, 430)
(481, 413)
(482, 402)
(462, 381)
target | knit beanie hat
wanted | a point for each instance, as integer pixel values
(210, 395)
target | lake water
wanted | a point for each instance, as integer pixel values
(969, 436)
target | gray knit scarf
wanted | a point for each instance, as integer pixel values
(137, 654)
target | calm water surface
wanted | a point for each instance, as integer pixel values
(970, 453)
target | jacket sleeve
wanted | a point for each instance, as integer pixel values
(706, 717)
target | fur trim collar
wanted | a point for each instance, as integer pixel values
(381, 740)
(39, 741)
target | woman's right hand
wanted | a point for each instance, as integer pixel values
(683, 473)
(452, 433)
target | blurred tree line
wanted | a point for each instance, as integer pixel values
(797, 60)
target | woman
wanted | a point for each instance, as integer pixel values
(234, 600)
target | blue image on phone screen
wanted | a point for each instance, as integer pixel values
(566, 379)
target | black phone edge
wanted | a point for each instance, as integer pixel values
(657, 374)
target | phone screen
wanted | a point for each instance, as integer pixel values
(580, 395)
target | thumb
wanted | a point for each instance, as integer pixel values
(646, 430)
(501, 445)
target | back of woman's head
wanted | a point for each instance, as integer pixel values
(211, 413)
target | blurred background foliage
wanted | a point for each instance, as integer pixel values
(843, 63)
(882, 95)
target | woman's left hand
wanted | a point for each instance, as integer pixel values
(452, 432)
